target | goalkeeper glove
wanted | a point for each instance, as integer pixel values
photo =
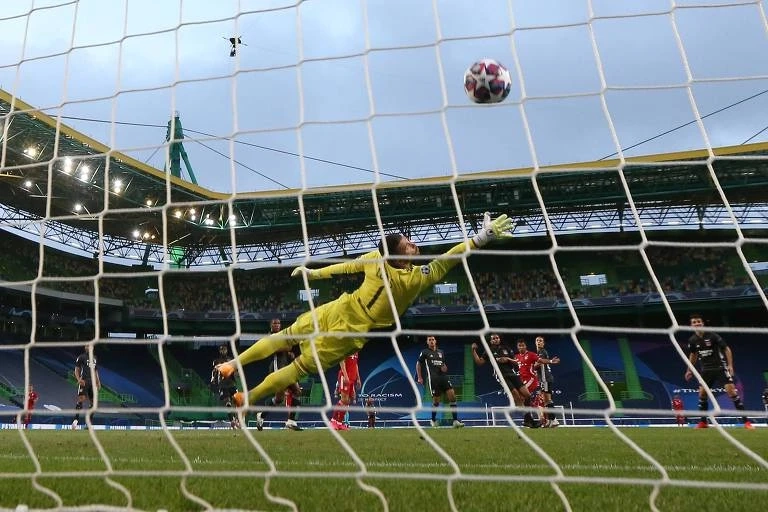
(495, 229)
(311, 272)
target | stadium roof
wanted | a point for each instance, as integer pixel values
(93, 188)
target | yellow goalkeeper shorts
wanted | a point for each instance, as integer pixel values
(337, 316)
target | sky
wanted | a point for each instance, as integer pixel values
(588, 76)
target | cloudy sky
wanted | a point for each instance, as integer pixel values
(136, 61)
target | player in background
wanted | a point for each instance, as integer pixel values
(546, 380)
(31, 400)
(88, 381)
(370, 409)
(432, 360)
(505, 359)
(527, 363)
(347, 381)
(715, 358)
(366, 308)
(677, 405)
(291, 395)
(224, 388)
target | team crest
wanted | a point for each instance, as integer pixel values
(425, 270)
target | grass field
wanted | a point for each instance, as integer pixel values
(403, 471)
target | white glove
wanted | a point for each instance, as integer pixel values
(495, 229)
(311, 272)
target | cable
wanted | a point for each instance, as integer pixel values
(755, 135)
(153, 153)
(265, 148)
(240, 163)
(691, 122)
(314, 159)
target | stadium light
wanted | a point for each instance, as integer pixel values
(67, 165)
(208, 221)
(31, 152)
(117, 185)
(78, 207)
(28, 184)
(136, 233)
(84, 172)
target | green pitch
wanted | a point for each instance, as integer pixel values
(225, 469)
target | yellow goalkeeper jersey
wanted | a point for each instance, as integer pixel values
(371, 301)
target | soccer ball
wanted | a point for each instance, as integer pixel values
(487, 81)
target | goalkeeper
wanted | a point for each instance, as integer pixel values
(357, 313)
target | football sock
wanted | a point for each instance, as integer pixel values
(454, 410)
(739, 405)
(703, 406)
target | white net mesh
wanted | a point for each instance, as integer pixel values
(311, 129)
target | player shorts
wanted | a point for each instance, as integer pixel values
(439, 384)
(546, 386)
(346, 386)
(717, 377)
(332, 317)
(532, 384)
(513, 381)
(86, 390)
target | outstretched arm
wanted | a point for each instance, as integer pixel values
(495, 229)
(348, 267)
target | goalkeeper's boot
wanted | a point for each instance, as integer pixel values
(238, 399)
(457, 424)
(292, 425)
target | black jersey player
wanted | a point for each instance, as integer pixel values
(508, 369)
(431, 363)
(715, 360)
(290, 395)
(88, 382)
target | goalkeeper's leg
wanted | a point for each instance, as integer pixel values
(265, 347)
(274, 382)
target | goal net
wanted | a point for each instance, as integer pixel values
(167, 165)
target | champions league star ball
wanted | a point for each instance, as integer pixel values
(487, 81)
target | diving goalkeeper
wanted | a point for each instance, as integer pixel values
(366, 308)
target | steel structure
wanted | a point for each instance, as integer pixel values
(60, 185)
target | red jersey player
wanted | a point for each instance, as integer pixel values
(677, 405)
(349, 377)
(31, 399)
(527, 362)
